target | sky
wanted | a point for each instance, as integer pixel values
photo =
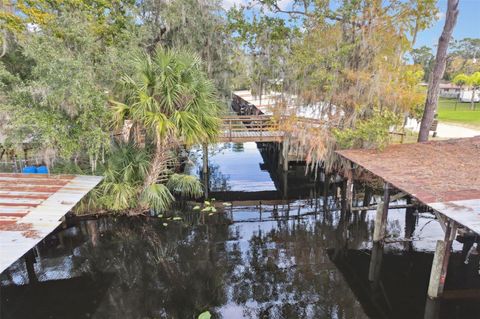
(467, 23)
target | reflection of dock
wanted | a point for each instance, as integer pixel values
(400, 291)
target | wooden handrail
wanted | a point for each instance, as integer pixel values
(240, 126)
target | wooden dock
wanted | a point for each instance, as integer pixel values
(443, 175)
(32, 206)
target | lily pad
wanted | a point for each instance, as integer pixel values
(205, 315)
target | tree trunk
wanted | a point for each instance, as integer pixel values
(158, 164)
(126, 129)
(438, 70)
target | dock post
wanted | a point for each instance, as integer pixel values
(438, 273)
(205, 168)
(382, 213)
(432, 309)
(349, 193)
(285, 155)
(29, 264)
(379, 235)
(410, 222)
(375, 262)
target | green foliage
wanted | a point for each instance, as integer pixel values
(123, 176)
(60, 70)
(195, 26)
(461, 79)
(205, 315)
(60, 103)
(157, 197)
(369, 133)
(463, 57)
(423, 56)
(266, 40)
(170, 95)
(186, 186)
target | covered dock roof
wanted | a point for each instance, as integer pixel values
(31, 207)
(444, 175)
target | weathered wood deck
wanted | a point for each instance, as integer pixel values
(31, 207)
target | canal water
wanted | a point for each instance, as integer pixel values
(283, 249)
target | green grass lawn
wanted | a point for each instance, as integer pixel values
(462, 115)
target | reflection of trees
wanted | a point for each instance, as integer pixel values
(287, 272)
(217, 180)
(177, 271)
(159, 272)
(281, 271)
(238, 147)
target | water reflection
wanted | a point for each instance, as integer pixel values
(268, 270)
(303, 258)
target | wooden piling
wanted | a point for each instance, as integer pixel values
(441, 258)
(205, 168)
(382, 214)
(285, 147)
(375, 262)
(349, 193)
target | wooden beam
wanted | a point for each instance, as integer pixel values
(375, 207)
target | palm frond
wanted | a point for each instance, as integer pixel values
(157, 197)
(187, 186)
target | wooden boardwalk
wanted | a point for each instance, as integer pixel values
(259, 128)
(250, 128)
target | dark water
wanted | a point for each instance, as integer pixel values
(281, 258)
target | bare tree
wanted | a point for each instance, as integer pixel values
(438, 70)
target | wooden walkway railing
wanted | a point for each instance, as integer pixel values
(250, 128)
(265, 128)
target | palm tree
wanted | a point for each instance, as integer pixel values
(170, 96)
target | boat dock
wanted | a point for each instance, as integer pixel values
(32, 206)
(443, 175)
